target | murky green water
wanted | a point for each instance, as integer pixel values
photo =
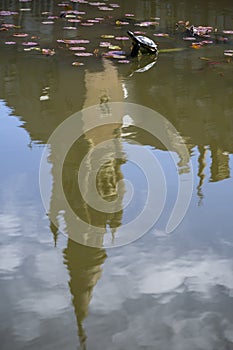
(162, 291)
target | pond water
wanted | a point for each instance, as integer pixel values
(61, 284)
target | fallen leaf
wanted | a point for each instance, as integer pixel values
(77, 64)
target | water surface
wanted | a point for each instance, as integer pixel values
(163, 290)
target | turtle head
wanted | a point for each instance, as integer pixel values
(131, 34)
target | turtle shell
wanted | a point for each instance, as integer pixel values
(143, 41)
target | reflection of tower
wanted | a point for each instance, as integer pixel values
(84, 266)
(220, 165)
(201, 173)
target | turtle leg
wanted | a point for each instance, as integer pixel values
(135, 50)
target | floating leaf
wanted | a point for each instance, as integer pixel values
(74, 41)
(93, 20)
(161, 34)
(20, 35)
(69, 28)
(47, 22)
(121, 23)
(196, 45)
(48, 52)
(228, 31)
(114, 47)
(114, 5)
(84, 54)
(123, 61)
(111, 54)
(121, 38)
(146, 24)
(104, 44)
(105, 8)
(74, 20)
(117, 52)
(8, 25)
(107, 36)
(96, 3)
(87, 24)
(44, 98)
(8, 13)
(205, 58)
(189, 38)
(77, 64)
(206, 42)
(229, 54)
(77, 48)
(29, 43)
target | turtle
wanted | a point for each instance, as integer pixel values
(142, 43)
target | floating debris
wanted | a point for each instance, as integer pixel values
(44, 98)
(228, 53)
(77, 64)
(73, 41)
(87, 24)
(205, 58)
(123, 61)
(228, 32)
(74, 20)
(146, 24)
(8, 13)
(10, 42)
(48, 52)
(93, 20)
(114, 5)
(77, 48)
(129, 15)
(112, 54)
(107, 36)
(8, 25)
(84, 54)
(47, 22)
(189, 38)
(114, 47)
(161, 34)
(30, 43)
(20, 35)
(69, 28)
(104, 44)
(121, 38)
(121, 23)
(105, 8)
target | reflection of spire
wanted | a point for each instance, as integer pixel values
(201, 174)
(220, 165)
(84, 266)
(54, 231)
